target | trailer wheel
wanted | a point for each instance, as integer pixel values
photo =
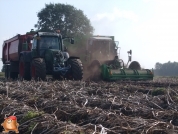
(14, 68)
(13, 75)
(76, 69)
(9, 74)
(7, 71)
(38, 69)
(24, 69)
(135, 65)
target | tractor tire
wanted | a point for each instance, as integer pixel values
(76, 72)
(38, 69)
(135, 65)
(24, 69)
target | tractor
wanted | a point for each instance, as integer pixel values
(35, 55)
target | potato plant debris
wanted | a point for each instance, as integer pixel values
(86, 107)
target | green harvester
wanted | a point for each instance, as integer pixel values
(102, 62)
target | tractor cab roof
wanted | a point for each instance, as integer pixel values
(46, 34)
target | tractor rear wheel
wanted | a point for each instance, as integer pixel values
(24, 69)
(76, 69)
(38, 69)
(135, 65)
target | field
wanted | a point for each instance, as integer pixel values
(78, 107)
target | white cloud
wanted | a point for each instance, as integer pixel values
(152, 39)
(116, 14)
(162, 28)
(159, 35)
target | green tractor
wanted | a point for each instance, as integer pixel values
(48, 56)
(103, 62)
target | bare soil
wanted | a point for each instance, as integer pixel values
(85, 107)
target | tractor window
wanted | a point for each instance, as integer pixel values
(101, 46)
(49, 42)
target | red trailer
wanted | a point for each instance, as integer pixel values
(11, 51)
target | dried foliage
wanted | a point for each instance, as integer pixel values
(79, 107)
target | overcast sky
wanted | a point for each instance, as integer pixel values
(148, 27)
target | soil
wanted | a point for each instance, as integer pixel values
(86, 107)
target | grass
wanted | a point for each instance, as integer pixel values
(1, 74)
(30, 114)
(158, 91)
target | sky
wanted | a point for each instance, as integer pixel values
(148, 27)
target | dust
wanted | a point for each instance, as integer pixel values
(100, 53)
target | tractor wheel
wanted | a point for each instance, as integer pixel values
(135, 65)
(76, 69)
(38, 69)
(24, 69)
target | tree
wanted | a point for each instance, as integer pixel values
(66, 18)
(166, 69)
(158, 66)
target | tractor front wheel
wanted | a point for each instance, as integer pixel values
(76, 72)
(38, 69)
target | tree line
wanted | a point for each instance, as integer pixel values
(166, 69)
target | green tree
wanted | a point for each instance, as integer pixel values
(166, 69)
(66, 18)
(158, 65)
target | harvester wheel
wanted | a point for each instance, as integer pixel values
(24, 69)
(135, 65)
(38, 69)
(76, 69)
(95, 72)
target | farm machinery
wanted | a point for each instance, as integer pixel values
(103, 62)
(37, 54)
